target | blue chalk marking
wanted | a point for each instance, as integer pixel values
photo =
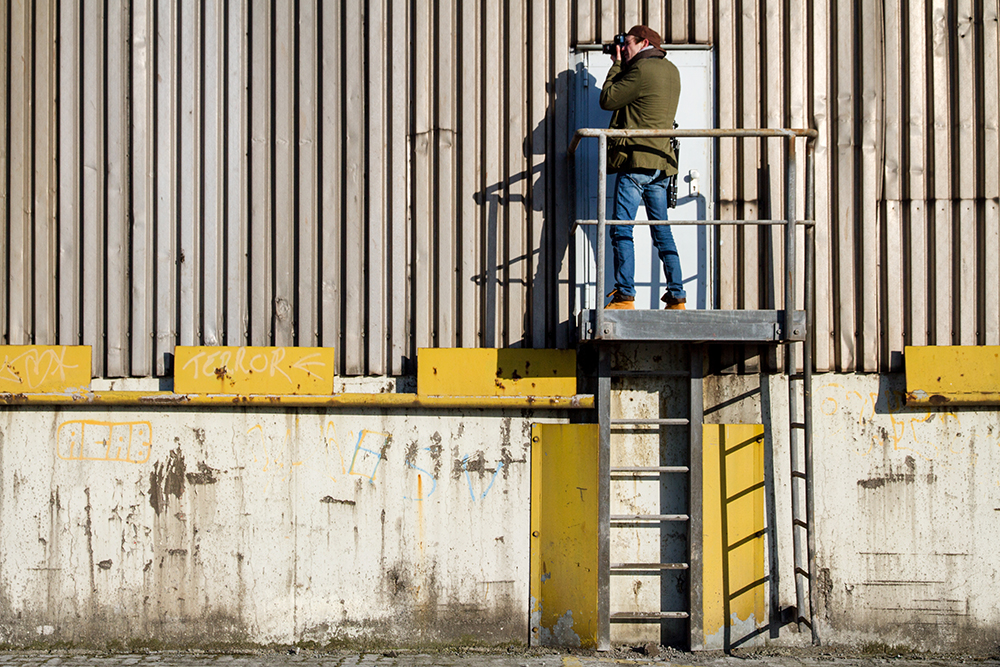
(421, 471)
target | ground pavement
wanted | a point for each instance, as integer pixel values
(477, 658)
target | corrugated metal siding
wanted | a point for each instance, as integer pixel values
(381, 176)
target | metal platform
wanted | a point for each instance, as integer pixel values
(710, 326)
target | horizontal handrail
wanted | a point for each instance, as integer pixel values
(762, 132)
(790, 222)
(691, 223)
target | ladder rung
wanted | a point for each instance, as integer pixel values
(666, 422)
(647, 615)
(648, 469)
(649, 566)
(650, 517)
(650, 374)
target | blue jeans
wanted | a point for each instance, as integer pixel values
(650, 186)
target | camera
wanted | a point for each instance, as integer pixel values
(619, 40)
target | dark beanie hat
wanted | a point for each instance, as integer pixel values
(641, 32)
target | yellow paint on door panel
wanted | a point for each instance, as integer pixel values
(564, 488)
(732, 532)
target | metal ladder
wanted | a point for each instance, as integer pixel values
(692, 518)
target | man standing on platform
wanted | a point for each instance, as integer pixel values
(642, 91)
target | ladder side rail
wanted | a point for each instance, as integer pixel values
(604, 499)
(696, 415)
(807, 371)
(794, 418)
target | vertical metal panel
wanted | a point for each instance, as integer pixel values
(444, 206)
(166, 185)
(491, 123)
(70, 161)
(236, 172)
(540, 282)
(844, 213)
(19, 204)
(892, 320)
(941, 189)
(916, 175)
(773, 156)
(249, 178)
(44, 149)
(469, 175)
(726, 287)
(870, 53)
(749, 165)
(990, 69)
(116, 191)
(93, 182)
(5, 21)
(143, 286)
(213, 147)
(306, 169)
(374, 338)
(561, 203)
(678, 21)
(331, 168)
(969, 100)
(261, 168)
(190, 164)
(397, 271)
(515, 132)
(421, 160)
(820, 109)
(283, 220)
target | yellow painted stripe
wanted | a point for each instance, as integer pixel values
(952, 375)
(564, 489)
(167, 398)
(733, 461)
(44, 368)
(492, 372)
(280, 371)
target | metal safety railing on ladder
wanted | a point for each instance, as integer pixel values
(785, 326)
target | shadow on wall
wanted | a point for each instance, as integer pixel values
(548, 191)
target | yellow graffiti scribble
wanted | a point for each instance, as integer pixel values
(904, 431)
(87, 440)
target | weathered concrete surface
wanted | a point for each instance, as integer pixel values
(479, 658)
(205, 527)
(907, 507)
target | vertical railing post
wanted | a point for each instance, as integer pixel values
(602, 214)
(790, 234)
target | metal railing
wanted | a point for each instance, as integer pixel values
(791, 225)
(789, 221)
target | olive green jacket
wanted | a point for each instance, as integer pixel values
(643, 95)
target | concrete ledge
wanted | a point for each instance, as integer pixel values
(168, 398)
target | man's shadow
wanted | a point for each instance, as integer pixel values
(550, 298)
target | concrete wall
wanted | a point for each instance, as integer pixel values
(907, 507)
(207, 527)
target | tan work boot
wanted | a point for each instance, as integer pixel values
(620, 301)
(672, 303)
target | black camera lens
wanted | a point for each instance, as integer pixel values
(618, 40)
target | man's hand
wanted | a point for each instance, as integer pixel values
(617, 55)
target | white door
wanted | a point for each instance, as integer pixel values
(695, 190)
